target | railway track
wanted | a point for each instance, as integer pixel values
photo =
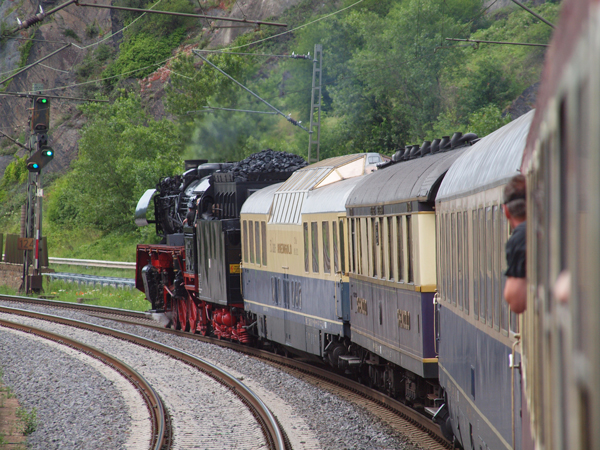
(422, 430)
(273, 436)
(161, 431)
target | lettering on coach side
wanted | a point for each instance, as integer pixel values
(284, 248)
(361, 306)
(404, 319)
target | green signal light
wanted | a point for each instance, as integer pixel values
(43, 100)
(35, 166)
(48, 153)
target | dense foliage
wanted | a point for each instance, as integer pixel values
(122, 152)
(390, 78)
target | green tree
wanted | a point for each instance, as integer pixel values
(486, 120)
(122, 152)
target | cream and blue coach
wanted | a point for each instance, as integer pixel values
(477, 332)
(392, 273)
(295, 257)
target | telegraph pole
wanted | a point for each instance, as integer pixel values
(314, 136)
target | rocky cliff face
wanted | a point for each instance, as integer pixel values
(55, 73)
(75, 25)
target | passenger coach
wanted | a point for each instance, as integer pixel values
(392, 274)
(476, 332)
(294, 257)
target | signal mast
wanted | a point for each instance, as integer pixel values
(40, 155)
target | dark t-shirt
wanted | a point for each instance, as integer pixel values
(516, 251)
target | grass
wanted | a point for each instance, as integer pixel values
(29, 420)
(132, 300)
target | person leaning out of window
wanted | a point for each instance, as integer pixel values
(515, 289)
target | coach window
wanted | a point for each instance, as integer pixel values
(306, 255)
(390, 236)
(453, 260)
(475, 256)
(251, 239)
(342, 249)
(257, 236)
(245, 241)
(489, 288)
(358, 247)
(497, 257)
(400, 250)
(442, 257)
(475, 265)
(373, 249)
(334, 236)
(497, 276)
(466, 260)
(382, 249)
(459, 257)
(504, 305)
(364, 246)
(326, 247)
(409, 249)
(314, 236)
(263, 232)
(448, 258)
(482, 268)
(352, 246)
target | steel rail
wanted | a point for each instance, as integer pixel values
(272, 432)
(420, 421)
(156, 409)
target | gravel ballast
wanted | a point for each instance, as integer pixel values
(318, 418)
(76, 405)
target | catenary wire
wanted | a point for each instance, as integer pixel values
(168, 59)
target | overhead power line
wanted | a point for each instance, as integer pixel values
(179, 14)
(211, 108)
(292, 56)
(28, 95)
(14, 141)
(34, 63)
(297, 28)
(497, 42)
(287, 117)
(533, 13)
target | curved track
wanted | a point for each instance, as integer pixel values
(430, 437)
(274, 437)
(158, 416)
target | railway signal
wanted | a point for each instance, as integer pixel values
(37, 161)
(40, 118)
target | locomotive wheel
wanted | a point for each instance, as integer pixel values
(193, 316)
(182, 314)
(175, 315)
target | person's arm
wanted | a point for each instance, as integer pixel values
(515, 293)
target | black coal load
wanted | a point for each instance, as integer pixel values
(265, 161)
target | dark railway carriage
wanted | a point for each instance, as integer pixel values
(476, 333)
(392, 275)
